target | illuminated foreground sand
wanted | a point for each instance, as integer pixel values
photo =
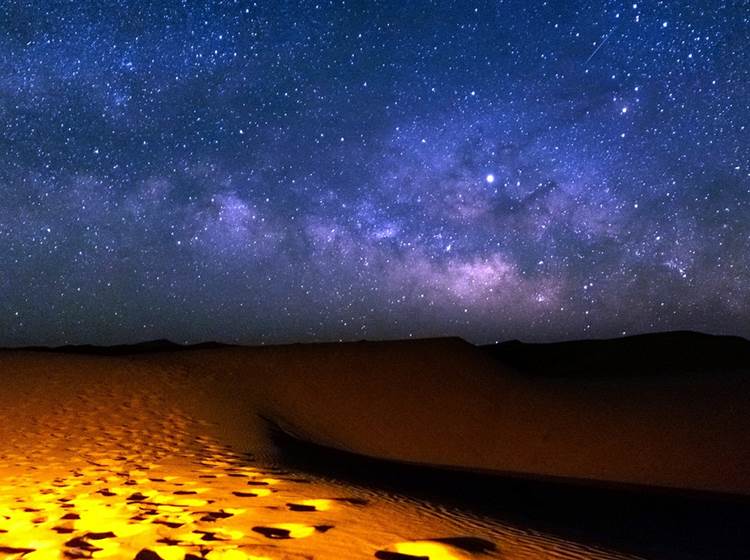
(112, 458)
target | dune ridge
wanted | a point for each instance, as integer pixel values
(507, 409)
(145, 456)
(448, 403)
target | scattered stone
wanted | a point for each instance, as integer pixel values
(241, 494)
(273, 532)
(301, 507)
(386, 555)
(147, 554)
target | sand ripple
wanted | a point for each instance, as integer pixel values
(116, 468)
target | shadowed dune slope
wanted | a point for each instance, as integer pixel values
(448, 403)
(445, 402)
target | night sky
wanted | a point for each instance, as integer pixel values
(274, 171)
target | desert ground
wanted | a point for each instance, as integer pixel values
(169, 455)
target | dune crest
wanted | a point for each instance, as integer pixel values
(133, 457)
(446, 402)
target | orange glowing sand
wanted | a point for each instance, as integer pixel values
(145, 458)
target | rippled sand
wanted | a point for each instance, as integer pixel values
(117, 462)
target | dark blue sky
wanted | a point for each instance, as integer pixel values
(279, 171)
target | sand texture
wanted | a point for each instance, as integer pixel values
(446, 402)
(165, 455)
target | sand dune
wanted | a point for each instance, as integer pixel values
(653, 354)
(145, 454)
(446, 402)
(133, 457)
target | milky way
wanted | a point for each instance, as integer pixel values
(273, 171)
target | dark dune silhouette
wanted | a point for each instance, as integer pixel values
(146, 347)
(664, 353)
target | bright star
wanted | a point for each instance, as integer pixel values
(490, 178)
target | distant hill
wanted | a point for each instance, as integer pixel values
(161, 345)
(646, 354)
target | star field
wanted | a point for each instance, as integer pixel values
(276, 171)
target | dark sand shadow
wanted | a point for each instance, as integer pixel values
(654, 523)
